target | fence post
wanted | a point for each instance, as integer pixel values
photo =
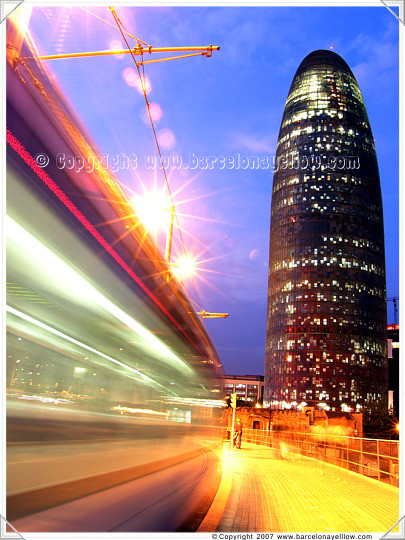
(347, 453)
(335, 453)
(378, 459)
(361, 456)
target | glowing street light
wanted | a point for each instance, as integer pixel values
(153, 210)
(156, 211)
(184, 267)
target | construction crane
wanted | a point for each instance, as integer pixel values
(395, 300)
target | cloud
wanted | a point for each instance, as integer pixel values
(378, 56)
(254, 143)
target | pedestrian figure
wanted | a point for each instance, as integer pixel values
(237, 438)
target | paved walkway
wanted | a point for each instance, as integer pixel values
(260, 491)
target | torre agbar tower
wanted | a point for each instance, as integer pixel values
(326, 316)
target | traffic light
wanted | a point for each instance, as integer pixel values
(233, 401)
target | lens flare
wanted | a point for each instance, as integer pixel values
(166, 138)
(155, 111)
(153, 209)
(145, 84)
(184, 267)
(130, 76)
(116, 45)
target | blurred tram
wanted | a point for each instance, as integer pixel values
(113, 385)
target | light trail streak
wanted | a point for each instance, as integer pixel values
(52, 330)
(29, 160)
(74, 282)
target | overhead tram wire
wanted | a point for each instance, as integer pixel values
(172, 58)
(107, 22)
(207, 53)
(139, 50)
(142, 80)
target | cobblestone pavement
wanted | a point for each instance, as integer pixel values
(261, 491)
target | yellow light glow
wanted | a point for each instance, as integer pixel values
(153, 209)
(134, 411)
(20, 16)
(184, 267)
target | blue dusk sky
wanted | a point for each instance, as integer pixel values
(228, 105)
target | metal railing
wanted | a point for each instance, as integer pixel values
(375, 458)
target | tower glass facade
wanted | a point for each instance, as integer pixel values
(326, 323)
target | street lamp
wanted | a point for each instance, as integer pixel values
(152, 208)
(184, 267)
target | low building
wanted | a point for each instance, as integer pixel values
(307, 420)
(248, 388)
(393, 368)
